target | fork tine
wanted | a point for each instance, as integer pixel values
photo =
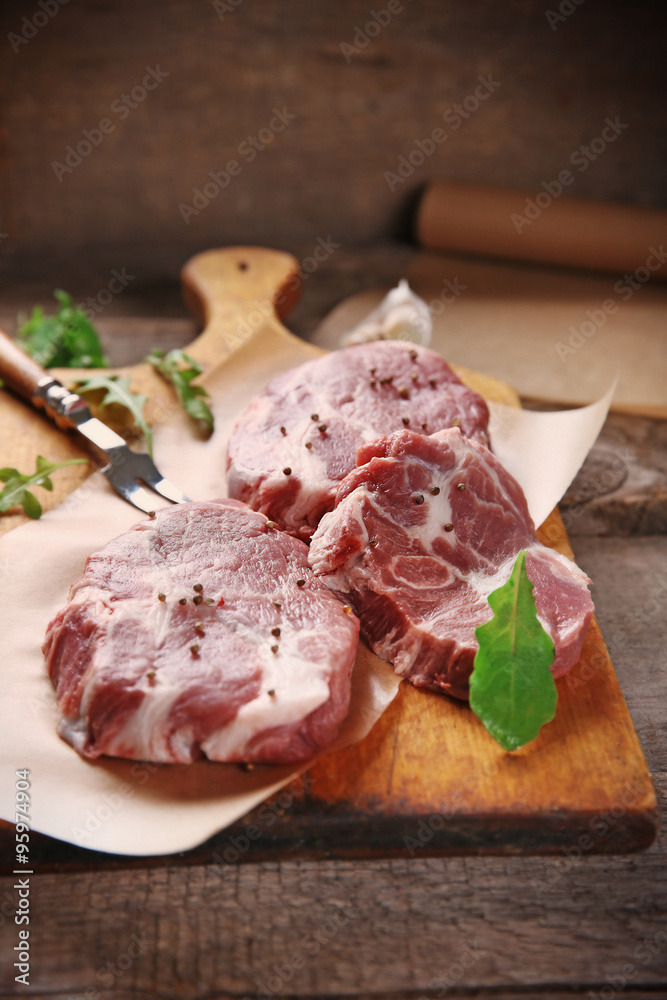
(141, 466)
(127, 467)
(130, 490)
(169, 491)
(25, 377)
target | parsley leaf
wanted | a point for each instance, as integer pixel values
(117, 390)
(180, 369)
(512, 689)
(65, 340)
(16, 485)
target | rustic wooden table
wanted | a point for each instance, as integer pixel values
(411, 926)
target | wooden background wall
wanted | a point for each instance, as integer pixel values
(231, 63)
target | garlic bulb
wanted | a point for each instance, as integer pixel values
(401, 315)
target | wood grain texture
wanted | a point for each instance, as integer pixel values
(428, 776)
(622, 487)
(20, 373)
(539, 924)
(538, 993)
(324, 173)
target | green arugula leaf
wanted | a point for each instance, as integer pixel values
(117, 390)
(16, 485)
(512, 689)
(180, 369)
(65, 340)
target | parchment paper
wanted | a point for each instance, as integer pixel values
(135, 808)
(542, 330)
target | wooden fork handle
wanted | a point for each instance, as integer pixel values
(18, 370)
(26, 378)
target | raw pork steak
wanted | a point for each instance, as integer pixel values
(424, 529)
(201, 632)
(300, 435)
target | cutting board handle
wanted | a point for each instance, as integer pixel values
(236, 291)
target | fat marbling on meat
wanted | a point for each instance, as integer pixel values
(299, 437)
(201, 631)
(424, 529)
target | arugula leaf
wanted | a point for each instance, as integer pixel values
(512, 689)
(65, 340)
(16, 485)
(192, 397)
(117, 390)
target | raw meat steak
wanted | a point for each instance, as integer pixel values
(202, 631)
(424, 529)
(300, 435)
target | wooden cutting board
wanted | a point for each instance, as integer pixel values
(428, 779)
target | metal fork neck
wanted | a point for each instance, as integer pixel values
(65, 407)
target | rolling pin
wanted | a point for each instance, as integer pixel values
(545, 226)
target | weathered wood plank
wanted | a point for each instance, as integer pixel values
(622, 487)
(630, 592)
(323, 174)
(383, 926)
(591, 990)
